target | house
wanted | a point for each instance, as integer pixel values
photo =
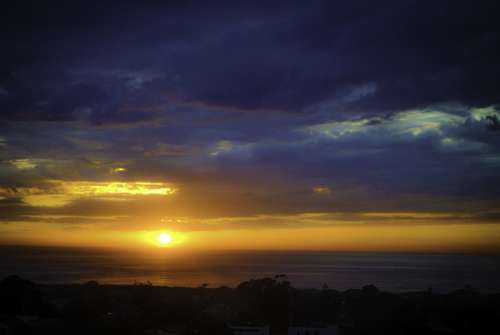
(163, 332)
(314, 330)
(4, 329)
(169, 330)
(249, 330)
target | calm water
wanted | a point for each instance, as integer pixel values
(389, 271)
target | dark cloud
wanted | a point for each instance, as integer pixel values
(417, 54)
(251, 57)
(253, 106)
(493, 123)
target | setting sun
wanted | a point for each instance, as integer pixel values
(164, 238)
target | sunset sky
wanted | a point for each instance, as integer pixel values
(311, 125)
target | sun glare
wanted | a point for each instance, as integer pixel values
(164, 238)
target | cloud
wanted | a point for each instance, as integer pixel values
(313, 220)
(363, 57)
(439, 121)
(23, 164)
(248, 111)
(322, 190)
(117, 170)
(57, 193)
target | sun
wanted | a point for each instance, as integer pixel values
(164, 238)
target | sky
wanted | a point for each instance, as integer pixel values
(309, 125)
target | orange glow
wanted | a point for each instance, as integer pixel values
(322, 190)
(453, 237)
(161, 239)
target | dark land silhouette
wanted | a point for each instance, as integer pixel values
(92, 308)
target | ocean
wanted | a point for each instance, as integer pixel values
(397, 272)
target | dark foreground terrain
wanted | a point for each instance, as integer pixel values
(91, 308)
